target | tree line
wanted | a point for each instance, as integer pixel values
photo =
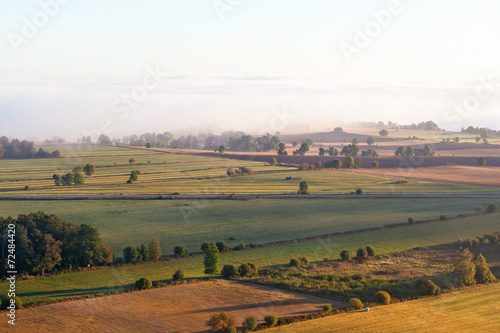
(23, 149)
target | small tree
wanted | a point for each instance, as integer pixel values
(370, 140)
(375, 164)
(271, 320)
(241, 246)
(6, 302)
(303, 187)
(426, 287)
(89, 169)
(178, 276)
(222, 323)
(479, 210)
(131, 161)
(134, 176)
(294, 262)
(154, 249)
(211, 259)
(229, 271)
(349, 162)
(361, 253)
(411, 220)
(304, 261)
(345, 255)
(492, 208)
(483, 272)
(465, 270)
(359, 191)
(223, 246)
(383, 132)
(481, 161)
(144, 252)
(222, 149)
(355, 303)
(370, 251)
(272, 161)
(149, 145)
(336, 164)
(143, 283)
(327, 308)
(382, 297)
(130, 254)
(250, 323)
(180, 251)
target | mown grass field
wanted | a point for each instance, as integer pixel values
(384, 241)
(191, 222)
(471, 310)
(168, 172)
(183, 308)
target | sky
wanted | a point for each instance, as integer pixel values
(71, 67)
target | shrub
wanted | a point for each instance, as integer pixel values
(250, 323)
(483, 272)
(7, 301)
(370, 250)
(180, 251)
(143, 283)
(270, 320)
(245, 270)
(355, 303)
(229, 271)
(240, 246)
(345, 255)
(443, 217)
(204, 246)
(464, 268)
(427, 288)
(491, 237)
(222, 246)
(375, 164)
(272, 161)
(361, 253)
(294, 262)
(327, 308)
(253, 268)
(222, 323)
(492, 208)
(382, 297)
(359, 191)
(479, 210)
(304, 261)
(178, 276)
(411, 220)
(476, 242)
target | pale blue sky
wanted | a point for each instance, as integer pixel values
(234, 73)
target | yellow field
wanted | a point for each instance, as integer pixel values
(473, 310)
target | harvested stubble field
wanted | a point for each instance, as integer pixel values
(385, 241)
(473, 309)
(485, 176)
(178, 308)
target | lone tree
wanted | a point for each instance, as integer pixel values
(211, 259)
(383, 132)
(131, 161)
(303, 187)
(349, 162)
(154, 249)
(134, 176)
(492, 208)
(370, 140)
(481, 161)
(222, 149)
(345, 255)
(180, 251)
(272, 161)
(130, 254)
(465, 270)
(89, 169)
(222, 322)
(483, 272)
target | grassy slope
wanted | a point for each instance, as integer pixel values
(385, 241)
(472, 310)
(123, 223)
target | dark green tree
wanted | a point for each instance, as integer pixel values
(211, 259)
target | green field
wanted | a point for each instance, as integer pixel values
(170, 172)
(471, 310)
(191, 222)
(384, 241)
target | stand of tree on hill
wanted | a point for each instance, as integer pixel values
(23, 149)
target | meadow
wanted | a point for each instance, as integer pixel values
(191, 222)
(384, 241)
(469, 310)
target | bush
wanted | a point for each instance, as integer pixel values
(240, 247)
(411, 220)
(270, 320)
(370, 250)
(375, 164)
(492, 208)
(250, 323)
(222, 323)
(479, 210)
(355, 303)
(443, 217)
(427, 288)
(178, 276)
(304, 261)
(245, 270)
(345, 255)
(143, 283)
(327, 308)
(180, 251)
(253, 268)
(6, 302)
(361, 253)
(294, 262)
(222, 246)
(229, 271)
(359, 191)
(272, 161)
(382, 297)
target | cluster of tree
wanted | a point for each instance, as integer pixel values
(426, 125)
(54, 140)
(350, 150)
(71, 178)
(23, 149)
(468, 273)
(226, 323)
(448, 140)
(239, 141)
(330, 151)
(369, 153)
(244, 270)
(132, 254)
(299, 262)
(362, 252)
(410, 151)
(303, 149)
(239, 171)
(484, 132)
(45, 243)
